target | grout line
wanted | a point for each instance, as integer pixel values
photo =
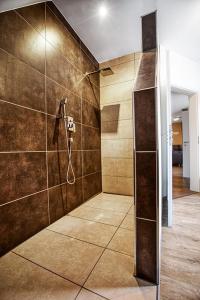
(46, 121)
(44, 268)
(84, 288)
(103, 251)
(89, 220)
(50, 271)
(48, 188)
(119, 176)
(21, 198)
(52, 44)
(20, 151)
(144, 89)
(75, 238)
(44, 112)
(22, 106)
(121, 82)
(144, 219)
(92, 220)
(46, 77)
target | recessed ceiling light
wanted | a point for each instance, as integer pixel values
(103, 10)
(177, 119)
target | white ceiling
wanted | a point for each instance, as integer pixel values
(120, 32)
(178, 102)
(116, 34)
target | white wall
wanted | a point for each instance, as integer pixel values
(184, 72)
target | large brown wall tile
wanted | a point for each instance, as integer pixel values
(57, 202)
(21, 174)
(91, 115)
(91, 161)
(90, 92)
(62, 71)
(91, 138)
(146, 169)
(145, 123)
(3, 72)
(57, 168)
(55, 93)
(34, 15)
(21, 129)
(58, 35)
(74, 195)
(56, 134)
(20, 39)
(146, 74)
(149, 40)
(21, 219)
(24, 85)
(146, 247)
(91, 185)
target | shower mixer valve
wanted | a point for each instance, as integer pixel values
(70, 124)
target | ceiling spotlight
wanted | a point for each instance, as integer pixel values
(103, 10)
(177, 119)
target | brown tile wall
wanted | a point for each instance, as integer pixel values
(146, 158)
(42, 61)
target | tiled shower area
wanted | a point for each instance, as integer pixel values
(87, 254)
(60, 240)
(42, 61)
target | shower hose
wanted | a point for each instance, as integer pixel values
(69, 141)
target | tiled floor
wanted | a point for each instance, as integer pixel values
(86, 255)
(180, 262)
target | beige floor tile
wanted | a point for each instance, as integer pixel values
(87, 295)
(128, 222)
(111, 202)
(113, 278)
(89, 231)
(131, 210)
(123, 241)
(65, 256)
(23, 280)
(98, 215)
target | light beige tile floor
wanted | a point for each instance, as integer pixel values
(87, 254)
(98, 215)
(89, 231)
(128, 222)
(113, 278)
(122, 241)
(21, 279)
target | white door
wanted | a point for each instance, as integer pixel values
(166, 137)
(194, 129)
(186, 144)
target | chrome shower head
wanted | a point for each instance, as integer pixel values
(104, 72)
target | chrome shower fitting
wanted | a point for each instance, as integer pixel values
(69, 130)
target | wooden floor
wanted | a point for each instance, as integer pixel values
(180, 259)
(181, 186)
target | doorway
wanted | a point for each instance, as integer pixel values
(180, 145)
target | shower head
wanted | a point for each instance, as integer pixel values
(104, 72)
